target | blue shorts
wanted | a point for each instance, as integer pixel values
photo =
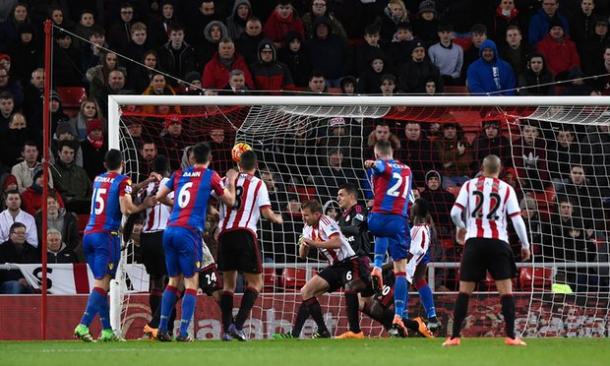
(393, 227)
(103, 251)
(183, 251)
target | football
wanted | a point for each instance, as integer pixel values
(238, 149)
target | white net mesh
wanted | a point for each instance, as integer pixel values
(308, 151)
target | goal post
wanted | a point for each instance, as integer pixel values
(573, 127)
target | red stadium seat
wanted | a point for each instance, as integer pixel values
(454, 190)
(294, 278)
(540, 278)
(71, 96)
(269, 279)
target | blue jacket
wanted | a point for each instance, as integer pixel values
(487, 77)
(539, 26)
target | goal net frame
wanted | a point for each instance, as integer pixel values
(114, 117)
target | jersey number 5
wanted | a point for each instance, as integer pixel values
(495, 198)
(394, 191)
(98, 202)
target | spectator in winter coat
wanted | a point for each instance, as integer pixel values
(176, 57)
(61, 220)
(417, 151)
(541, 21)
(268, 73)
(328, 52)
(320, 8)
(216, 71)
(283, 20)
(515, 51)
(394, 14)
(236, 22)
(57, 250)
(491, 141)
(559, 51)
(296, 59)
(490, 74)
(8, 29)
(24, 171)
(31, 198)
(440, 201)
(370, 80)
(71, 180)
(247, 44)
(369, 48)
(455, 153)
(591, 56)
(426, 23)
(418, 71)
(213, 33)
(16, 249)
(94, 148)
(535, 75)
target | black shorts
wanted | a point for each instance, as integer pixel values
(210, 280)
(152, 253)
(482, 255)
(341, 273)
(238, 251)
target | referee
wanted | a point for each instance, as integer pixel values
(486, 202)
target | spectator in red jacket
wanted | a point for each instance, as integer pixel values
(281, 21)
(559, 51)
(216, 71)
(31, 198)
(268, 73)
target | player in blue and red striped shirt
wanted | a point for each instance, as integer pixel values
(102, 243)
(193, 187)
(388, 222)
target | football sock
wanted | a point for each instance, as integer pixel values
(400, 293)
(316, 313)
(96, 298)
(167, 304)
(459, 313)
(351, 302)
(302, 316)
(154, 300)
(104, 311)
(425, 295)
(188, 309)
(247, 302)
(226, 307)
(508, 310)
(381, 247)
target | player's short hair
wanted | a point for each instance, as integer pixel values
(113, 159)
(312, 205)
(349, 188)
(161, 164)
(421, 208)
(492, 164)
(384, 147)
(247, 160)
(201, 152)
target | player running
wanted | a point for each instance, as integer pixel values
(102, 244)
(238, 249)
(388, 222)
(182, 238)
(323, 233)
(486, 201)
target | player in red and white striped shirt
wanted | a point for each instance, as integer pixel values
(323, 233)
(486, 202)
(238, 244)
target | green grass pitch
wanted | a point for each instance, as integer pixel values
(412, 351)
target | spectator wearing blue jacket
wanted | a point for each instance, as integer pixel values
(541, 21)
(490, 74)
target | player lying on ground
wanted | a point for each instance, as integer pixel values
(486, 202)
(238, 249)
(182, 238)
(102, 244)
(388, 222)
(345, 269)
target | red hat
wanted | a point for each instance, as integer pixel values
(9, 179)
(94, 124)
(4, 56)
(171, 120)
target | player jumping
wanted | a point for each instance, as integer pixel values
(182, 238)
(238, 244)
(388, 222)
(102, 243)
(486, 202)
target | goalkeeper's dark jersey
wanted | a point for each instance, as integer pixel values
(353, 226)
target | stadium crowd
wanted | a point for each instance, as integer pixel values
(505, 47)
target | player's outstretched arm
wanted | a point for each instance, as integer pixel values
(228, 197)
(303, 248)
(272, 216)
(130, 208)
